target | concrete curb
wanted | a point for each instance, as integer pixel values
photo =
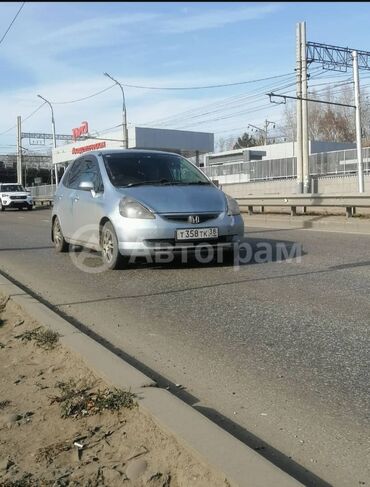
(241, 465)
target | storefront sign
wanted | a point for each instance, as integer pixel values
(87, 148)
(82, 130)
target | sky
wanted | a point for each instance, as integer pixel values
(61, 50)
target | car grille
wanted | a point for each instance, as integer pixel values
(184, 217)
(171, 242)
(18, 197)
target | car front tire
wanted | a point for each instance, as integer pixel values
(60, 244)
(111, 256)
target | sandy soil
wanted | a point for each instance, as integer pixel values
(120, 448)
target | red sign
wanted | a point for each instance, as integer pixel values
(87, 148)
(83, 129)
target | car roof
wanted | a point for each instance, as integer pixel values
(128, 151)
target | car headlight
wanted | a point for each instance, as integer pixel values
(130, 208)
(232, 206)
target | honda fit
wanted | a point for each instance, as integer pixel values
(137, 202)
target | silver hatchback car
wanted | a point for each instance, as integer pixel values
(139, 202)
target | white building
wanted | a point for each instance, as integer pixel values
(189, 144)
(283, 150)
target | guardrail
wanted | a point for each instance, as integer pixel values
(43, 194)
(349, 202)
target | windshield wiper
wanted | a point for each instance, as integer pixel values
(143, 183)
(163, 182)
(198, 182)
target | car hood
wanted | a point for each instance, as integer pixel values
(178, 199)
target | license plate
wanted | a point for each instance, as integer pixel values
(196, 233)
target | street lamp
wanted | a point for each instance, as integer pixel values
(124, 113)
(54, 136)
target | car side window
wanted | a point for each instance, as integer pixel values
(182, 172)
(90, 172)
(73, 175)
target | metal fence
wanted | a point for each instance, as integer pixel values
(338, 162)
(321, 164)
(44, 191)
(325, 163)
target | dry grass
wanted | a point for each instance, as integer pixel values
(77, 401)
(46, 339)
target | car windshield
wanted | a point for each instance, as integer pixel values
(12, 188)
(138, 169)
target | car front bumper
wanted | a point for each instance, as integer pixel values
(17, 203)
(143, 236)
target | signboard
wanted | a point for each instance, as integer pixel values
(83, 129)
(36, 141)
(87, 148)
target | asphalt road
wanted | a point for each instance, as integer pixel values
(276, 352)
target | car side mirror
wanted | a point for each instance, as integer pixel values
(216, 182)
(86, 186)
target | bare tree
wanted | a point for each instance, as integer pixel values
(330, 122)
(225, 143)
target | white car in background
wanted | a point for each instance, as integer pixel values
(13, 195)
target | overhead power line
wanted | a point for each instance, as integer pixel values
(23, 119)
(229, 103)
(84, 98)
(204, 87)
(12, 22)
(33, 113)
(225, 104)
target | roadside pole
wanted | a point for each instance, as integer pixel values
(299, 110)
(124, 112)
(305, 142)
(54, 140)
(358, 123)
(19, 150)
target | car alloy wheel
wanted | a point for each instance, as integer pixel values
(60, 243)
(109, 246)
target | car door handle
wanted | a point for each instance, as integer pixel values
(76, 198)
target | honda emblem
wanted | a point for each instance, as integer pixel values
(193, 219)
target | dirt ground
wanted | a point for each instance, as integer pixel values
(114, 447)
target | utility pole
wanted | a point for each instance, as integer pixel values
(343, 58)
(299, 109)
(19, 150)
(358, 122)
(305, 141)
(54, 139)
(267, 123)
(124, 113)
(264, 130)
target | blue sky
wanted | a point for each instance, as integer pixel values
(61, 50)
